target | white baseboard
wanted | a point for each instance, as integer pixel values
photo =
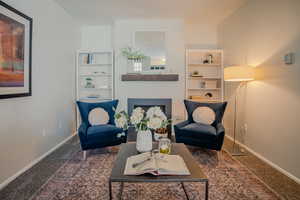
(10, 179)
(288, 174)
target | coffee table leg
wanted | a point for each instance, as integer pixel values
(121, 190)
(187, 196)
(109, 188)
(206, 190)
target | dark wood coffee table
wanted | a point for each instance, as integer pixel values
(129, 149)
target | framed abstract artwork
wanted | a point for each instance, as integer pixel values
(15, 52)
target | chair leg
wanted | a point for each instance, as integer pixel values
(219, 155)
(84, 155)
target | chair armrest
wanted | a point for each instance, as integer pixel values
(181, 124)
(220, 129)
(82, 131)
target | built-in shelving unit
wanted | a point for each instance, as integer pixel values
(95, 80)
(204, 75)
(94, 76)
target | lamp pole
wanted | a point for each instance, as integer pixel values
(240, 74)
(236, 151)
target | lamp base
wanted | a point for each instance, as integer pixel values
(237, 151)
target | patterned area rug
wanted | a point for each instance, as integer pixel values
(88, 180)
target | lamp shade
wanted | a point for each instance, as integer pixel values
(239, 73)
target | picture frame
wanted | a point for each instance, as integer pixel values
(15, 53)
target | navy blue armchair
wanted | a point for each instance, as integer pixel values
(103, 135)
(203, 135)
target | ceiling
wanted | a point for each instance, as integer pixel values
(106, 11)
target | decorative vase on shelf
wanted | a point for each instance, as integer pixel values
(134, 66)
(144, 141)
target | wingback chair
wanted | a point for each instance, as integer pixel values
(203, 135)
(102, 135)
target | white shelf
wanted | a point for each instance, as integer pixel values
(95, 75)
(83, 88)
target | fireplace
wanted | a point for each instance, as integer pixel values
(164, 104)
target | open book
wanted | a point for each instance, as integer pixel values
(158, 164)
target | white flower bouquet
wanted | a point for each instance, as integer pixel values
(153, 119)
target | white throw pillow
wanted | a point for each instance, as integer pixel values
(98, 116)
(204, 115)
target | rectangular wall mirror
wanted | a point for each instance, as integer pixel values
(152, 44)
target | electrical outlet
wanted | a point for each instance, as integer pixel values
(44, 132)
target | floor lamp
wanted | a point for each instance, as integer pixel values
(241, 74)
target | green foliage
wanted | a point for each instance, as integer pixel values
(142, 126)
(132, 53)
(166, 123)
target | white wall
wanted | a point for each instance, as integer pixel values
(196, 35)
(123, 36)
(200, 34)
(259, 34)
(189, 34)
(51, 107)
(96, 37)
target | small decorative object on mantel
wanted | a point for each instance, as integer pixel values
(144, 123)
(134, 59)
(15, 53)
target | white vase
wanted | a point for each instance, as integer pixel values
(144, 141)
(134, 66)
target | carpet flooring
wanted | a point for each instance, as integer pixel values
(32, 183)
(88, 180)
